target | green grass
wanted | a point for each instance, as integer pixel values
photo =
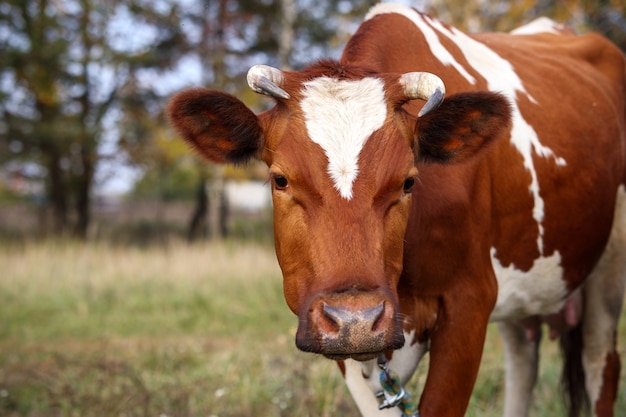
(198, 330)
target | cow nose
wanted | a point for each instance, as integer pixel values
(359, 326)
(360, 321)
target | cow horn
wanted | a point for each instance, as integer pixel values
(267, 80)
(424, 86)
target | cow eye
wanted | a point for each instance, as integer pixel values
(408, 185)
(280, 182)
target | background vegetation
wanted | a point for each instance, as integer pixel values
(83, 85)
(105, 310)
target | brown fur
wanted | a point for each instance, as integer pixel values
(388, 259)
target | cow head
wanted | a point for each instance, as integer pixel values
(342, 153)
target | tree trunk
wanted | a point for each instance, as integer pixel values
(224, 213)
(83, 192)
(198, 224)
(287, 32)
(86, 140)
(57, 193)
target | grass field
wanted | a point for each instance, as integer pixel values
(181, 330)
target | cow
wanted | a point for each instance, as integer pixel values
(431, 181)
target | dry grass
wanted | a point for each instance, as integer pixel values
(184, 330)
(181, 330)
(100, 265)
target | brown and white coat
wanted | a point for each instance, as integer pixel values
(402, 228)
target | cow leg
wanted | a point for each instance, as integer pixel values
(521, 356)
(603, 297)
(455, 353)
(601, 361)
(362, 378)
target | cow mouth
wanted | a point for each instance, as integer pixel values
(341, 349)
(360, 357)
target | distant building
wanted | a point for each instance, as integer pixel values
(248, 196)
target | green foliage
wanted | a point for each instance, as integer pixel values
(178, 183)
(226, 38)
(170, 170)
(607, 17)
(65, 67)
(8, 196)
(78, 75)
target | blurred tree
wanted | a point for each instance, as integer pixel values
(74, 71)
(64, 66)
(607, 17)
(168, 165)
(224, 38)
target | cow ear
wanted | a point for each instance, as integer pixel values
(463, 124)
(217, 125)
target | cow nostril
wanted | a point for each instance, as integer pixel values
(334, 314)
(379, 316)
(375, 314)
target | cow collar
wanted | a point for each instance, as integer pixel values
(393, 392)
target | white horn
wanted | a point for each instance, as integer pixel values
(267, 80)
(424, 86)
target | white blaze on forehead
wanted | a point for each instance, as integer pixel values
(340, 116)
(500, 77)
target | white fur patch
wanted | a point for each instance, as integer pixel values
(539, 291)
(539, 25)
(340, 116)
(500, 76)
(442, 54)
(363, 394)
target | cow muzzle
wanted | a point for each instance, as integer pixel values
(350, 324)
